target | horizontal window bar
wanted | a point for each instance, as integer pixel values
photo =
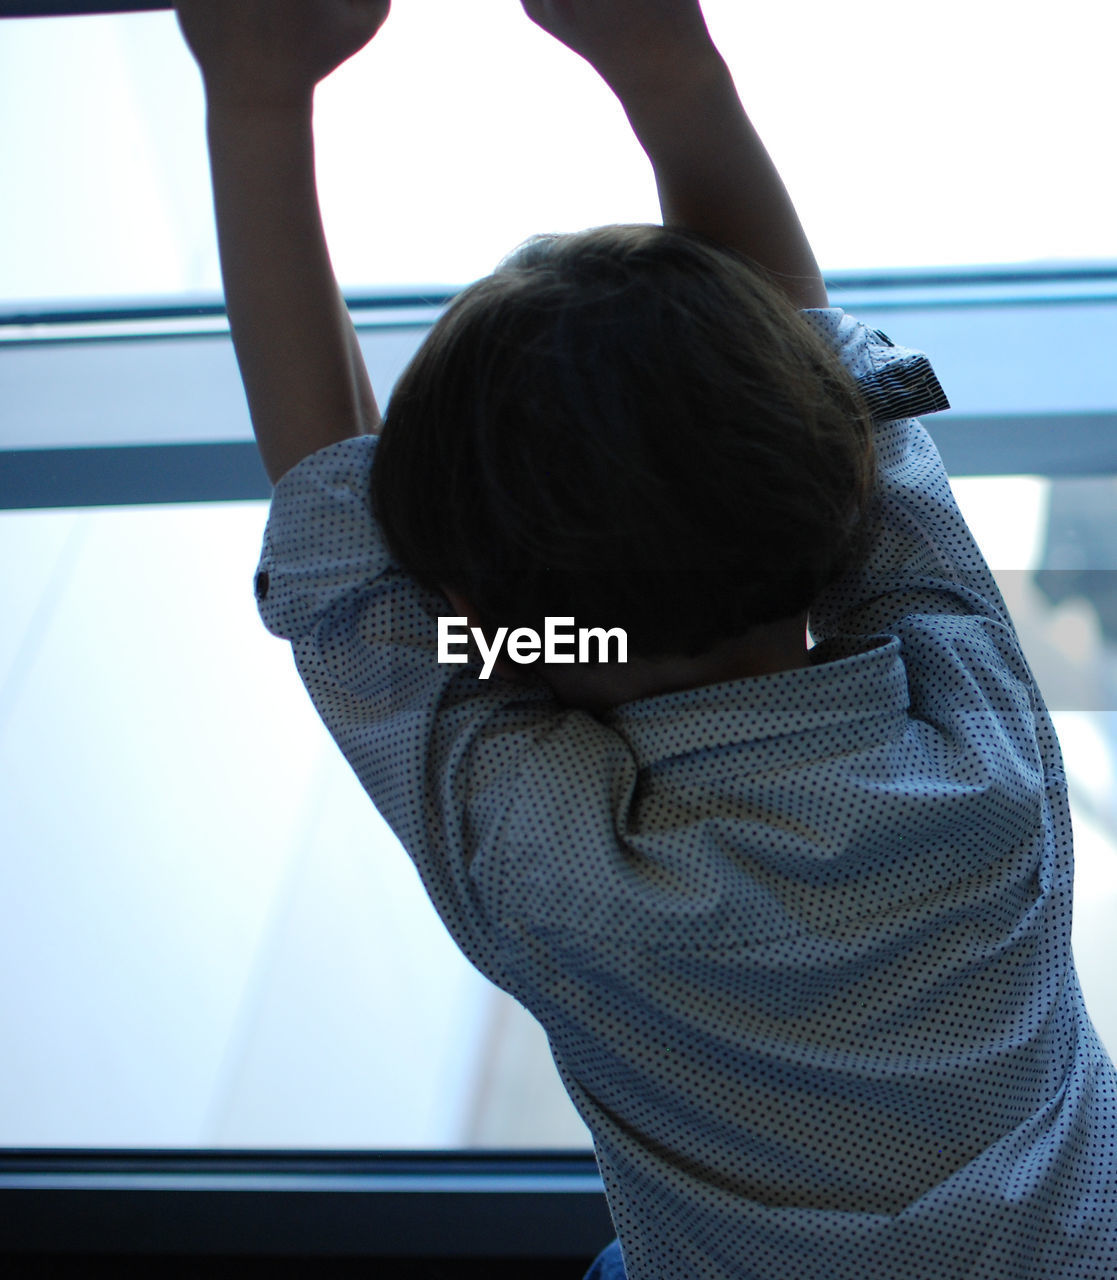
(68, 8)
(1039, 444)
(136, 404)
(294, 1203)
(130, 475)
(138, 317)
(1019, 283)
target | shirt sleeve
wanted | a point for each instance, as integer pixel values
(920, 556)
(446, 757)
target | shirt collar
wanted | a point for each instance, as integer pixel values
(861, 680)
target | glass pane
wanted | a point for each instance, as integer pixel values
(463, 129)
(211, 939)
(208, 935)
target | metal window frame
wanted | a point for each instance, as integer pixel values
(1052, 308)
(75, 8)
(302, 1204)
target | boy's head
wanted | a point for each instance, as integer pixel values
(630, 427)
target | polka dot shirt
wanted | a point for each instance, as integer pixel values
(800, 942)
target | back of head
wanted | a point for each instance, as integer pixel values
(631, 427)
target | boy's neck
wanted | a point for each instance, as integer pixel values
(776, 646)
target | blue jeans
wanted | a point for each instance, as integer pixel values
(608, 1265)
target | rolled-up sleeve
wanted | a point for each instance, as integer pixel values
(441, 752)
(921, 557)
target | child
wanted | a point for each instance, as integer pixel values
(796, 921)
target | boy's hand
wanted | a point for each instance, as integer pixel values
(627, 41)
(711, 169)
(273, 52)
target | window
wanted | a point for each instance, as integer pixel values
(198, 945)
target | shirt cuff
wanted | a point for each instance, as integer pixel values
(895, 382)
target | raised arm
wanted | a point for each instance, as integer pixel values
(713, 173)
(303, 373)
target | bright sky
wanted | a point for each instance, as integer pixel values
(959, 134)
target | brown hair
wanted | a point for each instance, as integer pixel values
(632, 427)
